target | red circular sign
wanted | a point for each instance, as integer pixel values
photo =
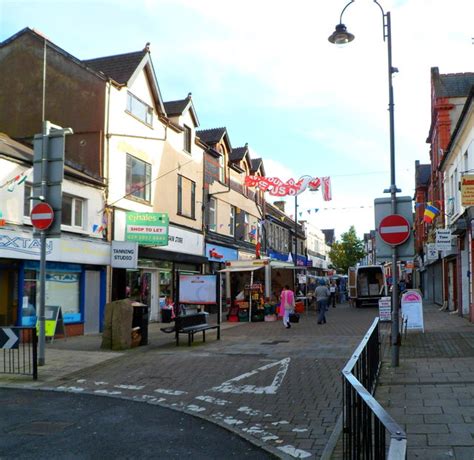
(394, 229)
(42, 216)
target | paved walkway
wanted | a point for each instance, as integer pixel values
(279, 388)
(431, 393)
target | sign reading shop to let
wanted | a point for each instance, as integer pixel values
(467, 190)
(147, 228)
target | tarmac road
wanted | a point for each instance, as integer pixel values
(48, 424)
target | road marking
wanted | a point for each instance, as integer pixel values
(230, 387)
(170, 392)
(107, 392)
(249, 411)
(212, 400)
(130, 387)
(294, 452)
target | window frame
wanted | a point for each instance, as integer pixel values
(212, 223)
(232, 221)
(129, 108)
(179, 210)
(128, 180)
(187, 134)
(74, 201)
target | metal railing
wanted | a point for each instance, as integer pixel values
(366, 424)
(19, 351)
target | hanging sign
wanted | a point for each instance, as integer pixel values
(467, 190)
(124, 254)
(147, 228)
(431, 251)
(443, 239)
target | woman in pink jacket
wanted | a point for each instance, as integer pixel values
(287, 305)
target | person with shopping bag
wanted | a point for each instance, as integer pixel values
(287, 305)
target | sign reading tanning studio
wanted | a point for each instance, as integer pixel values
(147, 228)
(124, 254)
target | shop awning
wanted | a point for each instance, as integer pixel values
(241, 269)
(290, 266)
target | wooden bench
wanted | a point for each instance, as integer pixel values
(190, 324)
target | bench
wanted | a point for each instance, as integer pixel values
(190, 324)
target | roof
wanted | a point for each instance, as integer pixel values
(238, 153)
(176, 107)
(256, 164)
(120, 67)
(422, 175)
(452, 84)
(211, 136)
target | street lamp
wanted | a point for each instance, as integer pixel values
(339, 37)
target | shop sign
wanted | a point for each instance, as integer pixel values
(220, 253)
(246, 255)
(443, 239)
(22, 245)
(385, 309)
(147, 228)
(184, 241)
(124, 254)
(467, 190)
(431, 251)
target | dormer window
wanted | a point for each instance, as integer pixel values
(187, 139)
(139, 109)
(222, 169)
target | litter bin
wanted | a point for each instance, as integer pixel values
(140, 319)
(166, 315)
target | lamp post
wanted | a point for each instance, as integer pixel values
(340, 37)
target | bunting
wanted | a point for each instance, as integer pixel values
(276, 187)
(2, 220)
(17, 180)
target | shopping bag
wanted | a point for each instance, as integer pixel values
(294, 318)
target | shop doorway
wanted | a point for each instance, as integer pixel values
(149, 292)
(8, 295)
(92, 302)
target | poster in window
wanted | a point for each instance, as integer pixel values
(197, 289)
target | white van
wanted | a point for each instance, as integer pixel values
(366, 284)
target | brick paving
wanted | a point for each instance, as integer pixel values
(431, 393)
(279, 388)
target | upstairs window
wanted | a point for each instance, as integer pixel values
(232, 221)
(138, 178)
(212, 215)
(222, 169)
(186, 197)
(28, 203)
(72, 211)
(139, 109)
(187, 139)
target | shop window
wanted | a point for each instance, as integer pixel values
(72, 211)
(139, 109)
(213, 214)
(186, 197)
(187, 139)
(62, 288)
(138, 178)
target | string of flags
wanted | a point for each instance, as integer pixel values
(17, 180)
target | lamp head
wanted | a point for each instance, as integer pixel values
(341, 36)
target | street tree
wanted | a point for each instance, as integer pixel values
(347, 252)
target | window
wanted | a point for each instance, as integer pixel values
(246, 227)
(232, 221)
(187, 139)
(221, 169)
(212, 214)
(139, 109)
(186, 197)
(72, 211)
(27, 204)
(138, 178)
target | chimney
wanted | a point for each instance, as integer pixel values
(280, 205)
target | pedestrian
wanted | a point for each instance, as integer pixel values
(332, 294)
(287, 305)
(322, 297)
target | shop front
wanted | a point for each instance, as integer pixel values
(154, 280)
(75, 280)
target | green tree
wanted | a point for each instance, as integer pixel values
(347, 252)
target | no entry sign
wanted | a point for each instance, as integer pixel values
(42, 216)
(394, 229)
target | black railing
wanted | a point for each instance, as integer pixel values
(19, 351)
(366, 424)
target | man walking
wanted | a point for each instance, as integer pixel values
(322, 297)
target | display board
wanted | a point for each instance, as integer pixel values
(53, 323)
(412, 309)
(197, 289)
(385, 309)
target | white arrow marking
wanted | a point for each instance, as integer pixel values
(229, 387)
(12, 338)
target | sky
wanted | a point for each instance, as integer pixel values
(266, 71)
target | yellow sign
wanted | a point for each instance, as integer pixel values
(53, 322)
(467, 190)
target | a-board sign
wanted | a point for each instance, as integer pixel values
(197, 289)
(53, 321)
(385, 309)
(412, 309)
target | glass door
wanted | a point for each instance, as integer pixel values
(149, 292)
